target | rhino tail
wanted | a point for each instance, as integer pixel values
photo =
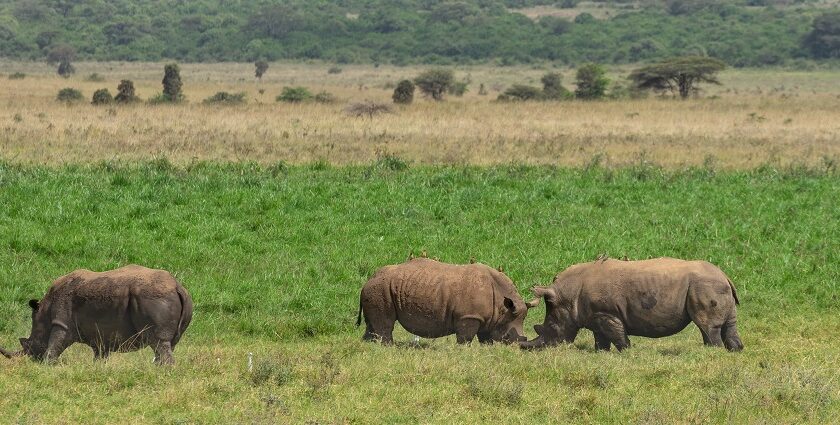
(734, 294)
(359, 315)
(186, 312)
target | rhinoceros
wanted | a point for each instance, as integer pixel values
(651, 298)
(119, 310)
(431, 299)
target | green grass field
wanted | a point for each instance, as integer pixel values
(274, 257)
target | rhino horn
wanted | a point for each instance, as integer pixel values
(533, 303)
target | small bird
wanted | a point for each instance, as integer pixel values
(501, 269)
(423, 254)
(410, 255)
(472, 260)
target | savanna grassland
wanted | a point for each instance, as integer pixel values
(755, 118)
(274, 236)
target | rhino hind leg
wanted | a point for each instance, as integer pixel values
(602, 343)
(612, 330)
(163, 353)
(731, 339)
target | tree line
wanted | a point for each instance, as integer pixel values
(414, 31)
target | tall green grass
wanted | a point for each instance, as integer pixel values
(275, 256)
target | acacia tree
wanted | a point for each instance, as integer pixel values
(678, 75)
(62, 54)
(435, 82)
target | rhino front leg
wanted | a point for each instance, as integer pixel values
(58, 342)
(612, 329)
(466, 329)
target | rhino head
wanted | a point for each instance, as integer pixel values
(36, 345)
(509, 328)
(559, 324)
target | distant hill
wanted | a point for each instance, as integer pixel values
(742, 33)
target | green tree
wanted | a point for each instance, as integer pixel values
(591, 82)
(172, 83)
(435, 82)
(824, 39)
(404, 92)
(62, 54)
(553, 87)
(69, 95)
(261, 66)
(294, 95)
(521, 92)
(678, 75)
(125, 92)
(102, 97)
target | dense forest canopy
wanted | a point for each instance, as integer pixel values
(742, 33)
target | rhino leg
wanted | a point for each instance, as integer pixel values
(58, 342)
(731, 340)
(602, 343)
(163, 353)
(612, 329)
(466, 329)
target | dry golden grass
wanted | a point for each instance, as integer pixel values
(755, 118)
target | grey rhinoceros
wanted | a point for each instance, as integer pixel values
(119, 310)
(433, 299)
(651, 298)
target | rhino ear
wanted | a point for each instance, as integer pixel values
(34, 304)
(544, 292)
(510, 305)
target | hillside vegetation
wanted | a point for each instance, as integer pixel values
(742, 33)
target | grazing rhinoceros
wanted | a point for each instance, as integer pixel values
(652, 298)
(433, 299)
(119, 310)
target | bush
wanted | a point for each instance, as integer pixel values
(553, 87)
(260, 67)
(171, 85)
(325, 97)
(69, 95)
(435, 82)
(334, 70)
(226, 98)
(125, 92)
(404, 92)
(458, 88)
(17, 76)
(294, 95)
(96, 78)
(367, 108)
(102, 97)
(591, 82)
(521, 92)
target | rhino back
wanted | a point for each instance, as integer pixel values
(430, 296)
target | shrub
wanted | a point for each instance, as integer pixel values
(294, 95)
(125, 92)
(334, 70)
(69, 95)
(521, 92)
(171, 84)
(404, 92)
(458, 88)
(435, 82)
(17, 76)
(325, 97)
(102, 97)
(260, 67)
(96, 78)
(553, 87)
(591, 82)
(226, 98)
(367, 108)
